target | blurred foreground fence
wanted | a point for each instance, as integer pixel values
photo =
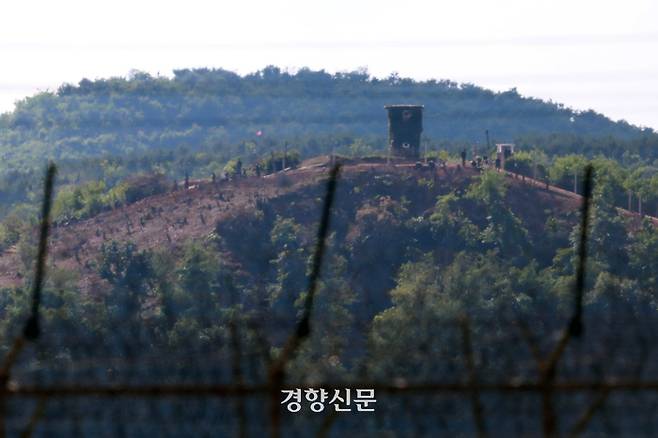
(232, 392)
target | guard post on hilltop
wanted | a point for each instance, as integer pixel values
(405, 125)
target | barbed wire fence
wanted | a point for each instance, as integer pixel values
(214, 392)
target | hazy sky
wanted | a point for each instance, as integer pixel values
(586, 54)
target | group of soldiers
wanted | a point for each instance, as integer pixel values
(431, 164)
(479, 162)
(240, 171)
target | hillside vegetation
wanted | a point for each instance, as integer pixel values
(217, 268)
(205, 108)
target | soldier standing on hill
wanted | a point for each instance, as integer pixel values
(238, 168)
(463, 154)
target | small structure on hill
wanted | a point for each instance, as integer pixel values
(503, 152)
(405, 125)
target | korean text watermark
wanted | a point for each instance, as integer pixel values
(341, 400)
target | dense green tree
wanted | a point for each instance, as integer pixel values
(129, 272)
(289, 265)
(643, 262)
(451, 228)
(568, 172)
(503, 231)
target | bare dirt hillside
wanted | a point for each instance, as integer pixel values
(168, 220)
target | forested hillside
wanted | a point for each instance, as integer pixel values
(204, 284)
(205, 108)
